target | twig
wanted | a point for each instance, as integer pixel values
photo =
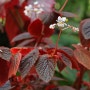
(63, 6)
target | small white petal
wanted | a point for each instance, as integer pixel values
(30, 7)
(63, 19)
(52, 26)
(35, 3)
(59, 18)
(25, 12)
(35, 9)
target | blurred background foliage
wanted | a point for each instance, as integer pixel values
(68, 37)
(79, 7)
(82, 9)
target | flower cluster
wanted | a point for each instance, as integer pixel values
(33, 10)
(37, 9)
(61, 23)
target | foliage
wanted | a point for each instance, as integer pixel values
(36, 62)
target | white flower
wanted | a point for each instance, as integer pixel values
(61, 19)
(28, 10)
(33, 10)
(46, 5)
(39, 9)
(75, 29)
(52, 26)
(35, 3)
(61, 23)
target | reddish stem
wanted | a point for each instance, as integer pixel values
(57, 41)
(63, 6)
(78, 82)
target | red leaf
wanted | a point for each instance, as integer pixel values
(28, 61)
(45, 67)
(10, 25)
(4, 69)
(83, 57)
(23, 50)
(16, 21)
(15, 50)
(50, 87)
(15, 61)
(36, 28)
(33, 71)
(12, 3)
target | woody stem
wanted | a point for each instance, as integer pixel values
(57, 41)
(63, 6)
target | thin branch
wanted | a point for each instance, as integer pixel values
(63, 6)
(57, 41)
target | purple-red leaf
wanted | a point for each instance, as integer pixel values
(5, 53)
(68, 14)
(85, 29)
(26, 42)
(6, 86)
(60, 65)
(22, 36)
(69, 51)
(28, 61)
(45, 67)
(84, 32)
(83, 57)
(66, 60)
(15, 61)
(67, 57)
